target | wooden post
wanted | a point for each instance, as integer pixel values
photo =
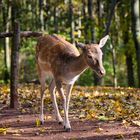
(14, 66)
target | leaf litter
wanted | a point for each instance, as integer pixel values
(87, 103)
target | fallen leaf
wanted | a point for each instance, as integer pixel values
(102, 118)
(38, 122)
(119, 136)
(47, 117)
(3, 131)
(16, 134)
(136, 123)
(98, 130)
(37, 133)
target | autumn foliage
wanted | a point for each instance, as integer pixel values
(102, 103)
(88, 104)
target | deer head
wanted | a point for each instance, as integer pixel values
(93, 55)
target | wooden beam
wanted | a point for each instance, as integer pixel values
(22, 34)
(31, 34)
(14, 66)
(4, 34)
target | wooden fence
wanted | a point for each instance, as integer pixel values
(16, 34)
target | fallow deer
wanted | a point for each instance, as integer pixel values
(63, 62)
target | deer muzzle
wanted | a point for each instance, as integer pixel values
(101, 72)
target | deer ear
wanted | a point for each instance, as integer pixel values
(103, 41)
(80, 45)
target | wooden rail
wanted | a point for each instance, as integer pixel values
(16, 34)
(22, 34)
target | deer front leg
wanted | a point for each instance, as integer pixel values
(53, 96)
(68, 94)
(66, 119)
(42, 81)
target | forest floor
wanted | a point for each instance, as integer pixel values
(96, 113)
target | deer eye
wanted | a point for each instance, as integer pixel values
(89, 56)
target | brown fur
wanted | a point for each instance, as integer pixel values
(63, 60)
(55, 53)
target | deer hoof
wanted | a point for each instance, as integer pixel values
(41, 122)
(60, 122)
(67, 129)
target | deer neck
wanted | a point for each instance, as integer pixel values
(78, 64)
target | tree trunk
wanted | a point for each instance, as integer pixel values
(6, 25)
(111, 14)
(135, 14)
(14, 67)
(97, 80)
(107, 30)
(91, 19)
(79, 24)
(84, 10)
(41, 4)
(129, 62)
(113, 51)
(127, 45)
(14, 58)
(99, 14)
(55, 19)
(71, 20)
(130, 72)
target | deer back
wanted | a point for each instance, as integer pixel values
(55, 45)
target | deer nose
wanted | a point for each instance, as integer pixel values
(102, 72)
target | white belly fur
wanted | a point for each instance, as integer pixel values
(70, 80)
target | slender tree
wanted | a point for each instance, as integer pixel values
(91, 24)
(85, 20)
(41, 4)
(125, 27)
(91, 20)
(135, 14)
(6, 25)
(14, 57)
(71, 21)
(55, 13)
(107, 30)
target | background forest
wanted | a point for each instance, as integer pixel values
(76, 20)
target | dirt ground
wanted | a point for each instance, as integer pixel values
(23, 127)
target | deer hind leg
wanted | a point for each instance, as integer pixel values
(42, 79)
(52, 88)
(67, 126)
